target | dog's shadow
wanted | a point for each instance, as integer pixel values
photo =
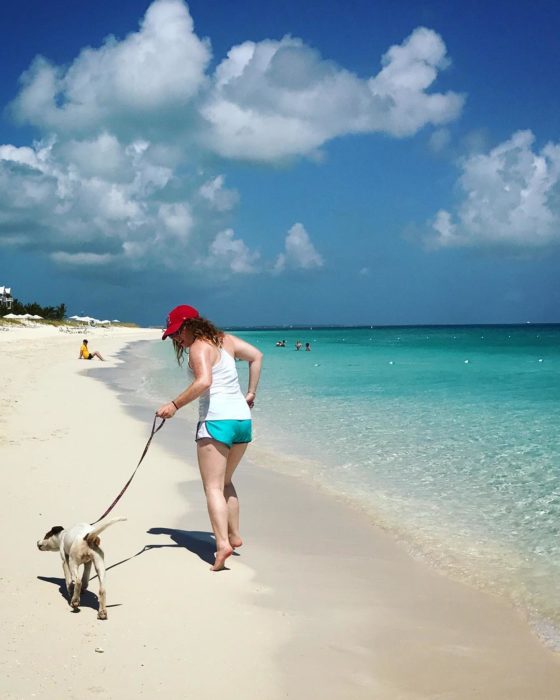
(88, 599)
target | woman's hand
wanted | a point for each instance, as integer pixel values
(168, 410)
(250, 398)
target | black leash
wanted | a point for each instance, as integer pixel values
(118, 498)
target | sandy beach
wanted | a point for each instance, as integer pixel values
(318, 603)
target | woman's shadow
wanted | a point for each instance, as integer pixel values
(200, 543)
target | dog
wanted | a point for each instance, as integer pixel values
(77, 546)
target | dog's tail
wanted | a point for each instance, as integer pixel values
(92, 538)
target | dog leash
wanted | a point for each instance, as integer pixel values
(118, 498)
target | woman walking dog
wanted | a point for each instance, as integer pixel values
(224, 429)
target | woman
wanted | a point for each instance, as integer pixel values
(224, 428)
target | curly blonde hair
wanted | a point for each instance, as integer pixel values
(201, 328)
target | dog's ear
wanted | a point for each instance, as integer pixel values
(56, 530)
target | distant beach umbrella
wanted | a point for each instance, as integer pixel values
(84, 319)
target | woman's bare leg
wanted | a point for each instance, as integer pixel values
(97, 354)
(235, 454)
(212, 461)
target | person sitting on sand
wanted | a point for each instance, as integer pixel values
(85, 353)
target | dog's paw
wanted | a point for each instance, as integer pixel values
(102, 615)
(75, 603)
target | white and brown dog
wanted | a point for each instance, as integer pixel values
(77, 546)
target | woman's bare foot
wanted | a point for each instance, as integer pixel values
(235, 541)
(221, 556)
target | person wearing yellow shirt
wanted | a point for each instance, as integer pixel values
(86, 354)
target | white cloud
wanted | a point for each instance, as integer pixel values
(177, 218)
(218, 196)
(409, 69)
(101, 202)
(101, 156)
(231, 254)
(85, 259)
(160, 67)
(299, 252)
(277, 99)
(51, 205)
(511, 198)
(28, 187)
(439, 140)
(119, 176)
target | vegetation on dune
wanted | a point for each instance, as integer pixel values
(51, 313)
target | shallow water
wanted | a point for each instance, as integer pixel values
(447, 436)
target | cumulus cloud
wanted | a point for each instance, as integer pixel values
(177, 219)
(63, 205)
(217, 195)
(265, 101)
(409, 69)
(119, 175)
(100, 156)
(439, 140)
(299, 252)
(231, 254)
(511, 198)
(277, 99)
(158, 68)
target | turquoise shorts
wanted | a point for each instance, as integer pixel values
(230, 432)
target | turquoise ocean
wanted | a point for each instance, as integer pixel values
(447, 436)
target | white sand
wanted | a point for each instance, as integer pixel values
(319, 604)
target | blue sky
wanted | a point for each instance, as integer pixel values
(282, 162)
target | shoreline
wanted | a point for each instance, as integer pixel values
(319, 600)
(438, 555)
(349, 510)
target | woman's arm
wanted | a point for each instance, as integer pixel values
(252, 355)
(201, 357)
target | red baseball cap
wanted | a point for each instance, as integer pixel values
(176, 318)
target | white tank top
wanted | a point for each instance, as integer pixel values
(224, 399)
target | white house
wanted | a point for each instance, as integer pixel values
(6, 299)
